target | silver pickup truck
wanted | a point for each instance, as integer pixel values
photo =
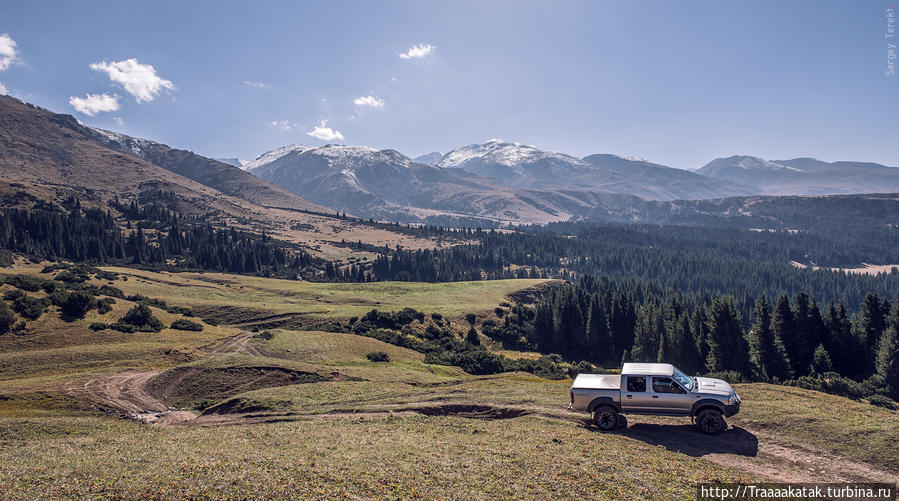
(656, 389)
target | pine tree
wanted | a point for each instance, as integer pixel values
(887, 363)
(682, 346)
(599, 339)
(727, 347)
(785, 328)
(767, 355)
(872, 320)
(820, 361)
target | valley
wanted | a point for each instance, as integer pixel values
(229, 411)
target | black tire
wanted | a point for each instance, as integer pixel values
(711, 422)
(622, 421)
(605, 418)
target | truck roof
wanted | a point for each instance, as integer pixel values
(647, 369)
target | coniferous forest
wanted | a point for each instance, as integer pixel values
(708, 299)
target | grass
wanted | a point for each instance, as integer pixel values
(835, 424)
(395, 458)
(329, 348)
(323, 300)
(53, 445)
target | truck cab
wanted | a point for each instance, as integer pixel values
(654, 389)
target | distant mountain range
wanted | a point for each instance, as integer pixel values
(44, 155)
(804, 176)
(509, 182)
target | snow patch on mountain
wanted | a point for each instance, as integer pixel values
(271, 156)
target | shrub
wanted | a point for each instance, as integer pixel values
(471, 318)
(266, 335)
(378, 356)
(25, 282)
(141, 318)
(7, 318)
(12, 295)
(98, 326)
(882, 401)
(499, 312)
(78, 303)
(472, 337)
(105, 305)
(106, 275)
(186, 325)
(29, 307)
(729, 376)
(58, 297)
(70, 278)
(582, 367)
(108, 290)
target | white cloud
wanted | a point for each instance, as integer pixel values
(282, 124)
(2, 88)
(139, 80)
(118, 120)
(258, 85)
(91, 104)
(372, 101)
(325, 133)
(7, 51)
(417, 51)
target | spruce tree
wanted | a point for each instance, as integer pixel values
(820, 361)
(767, 355)
(887, 363)
(727, 347)
(785, 328)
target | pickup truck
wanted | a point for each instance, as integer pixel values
(654, 389)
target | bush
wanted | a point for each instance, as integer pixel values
(25, 282)
(141, 318)
(378, 356)
(183, 324)
(267, 335)
(12, 295)
(729, 376)
(833, 383)
(105, 305)
(499, 312)
(582, 367)
(108, 290)
(882, 401)
(29, 307)
(7, 318)
(58, 297)
(70, 278)
(98, 326)
(78, 303)
(471, 318)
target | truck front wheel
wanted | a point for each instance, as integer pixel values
(605, 418)
(711, 422)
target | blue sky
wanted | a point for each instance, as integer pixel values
(678, 83)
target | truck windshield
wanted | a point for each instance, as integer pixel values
(683, 379)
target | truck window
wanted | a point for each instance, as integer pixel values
(665, 385)
(636, 383)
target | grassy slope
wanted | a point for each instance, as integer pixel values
(319, 299)
(49, 440)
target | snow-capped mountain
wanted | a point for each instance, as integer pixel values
(232, 161)
(271, 156)
(429, 158)
(804, 176)
(514, 164)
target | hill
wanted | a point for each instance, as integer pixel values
(804, 176)
(401, 428)
(52, 158)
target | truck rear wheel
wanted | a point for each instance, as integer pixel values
(710, 422)
(605, 418)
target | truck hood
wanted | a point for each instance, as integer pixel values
(714, 386)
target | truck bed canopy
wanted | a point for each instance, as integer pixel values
(647, 369)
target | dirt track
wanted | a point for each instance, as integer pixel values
(749, 450)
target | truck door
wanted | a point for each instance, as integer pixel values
(668, 397)
(634, 397)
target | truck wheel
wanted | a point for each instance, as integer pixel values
(605, 418)
(622, 421)
(711, 422)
